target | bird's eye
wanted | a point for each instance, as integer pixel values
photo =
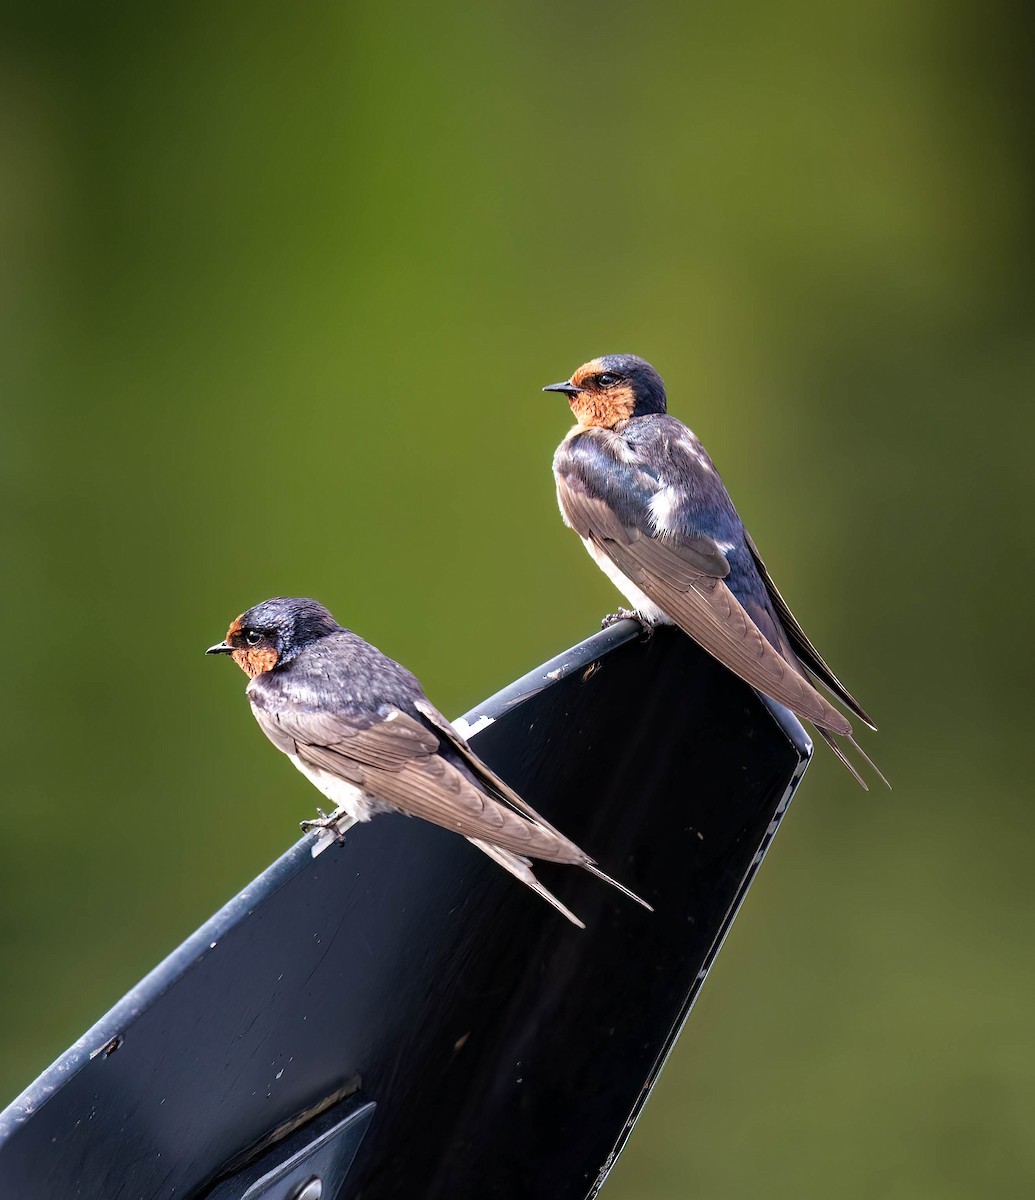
(252, 636)
(606, 379)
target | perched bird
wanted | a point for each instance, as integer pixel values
(359, 727)
(640, 490)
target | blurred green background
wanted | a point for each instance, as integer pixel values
(280, 286)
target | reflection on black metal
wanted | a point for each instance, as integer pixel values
(506, 1053)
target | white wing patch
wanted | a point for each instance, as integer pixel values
(692, 445)
(660, 511)
(662, 505)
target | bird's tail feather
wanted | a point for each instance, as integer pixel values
(521, 869)
(593, 869)
(869, 762)
(828, 737)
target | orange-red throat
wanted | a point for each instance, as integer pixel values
(253, 659)
(596, 397)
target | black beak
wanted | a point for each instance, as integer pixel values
(567, 387)
(220, 648)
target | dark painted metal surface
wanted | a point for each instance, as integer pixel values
(321, 1151)
(506, 1051)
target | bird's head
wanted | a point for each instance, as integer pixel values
(273, 632)
(609, 390)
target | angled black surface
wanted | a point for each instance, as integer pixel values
(507, 1052)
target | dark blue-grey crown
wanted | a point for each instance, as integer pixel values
(297, 621)
(647, 385)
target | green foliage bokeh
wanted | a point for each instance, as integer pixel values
(280, 286)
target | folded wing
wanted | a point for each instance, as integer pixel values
(395, 758)
(685, 578)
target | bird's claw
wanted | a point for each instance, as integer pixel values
(626, 614)
(630, 614)
(325, 822)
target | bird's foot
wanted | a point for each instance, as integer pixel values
(332, 823)
(623, 614)
(627, 614)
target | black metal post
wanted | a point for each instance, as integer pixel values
(399, 1017)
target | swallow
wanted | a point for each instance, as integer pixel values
(359, 727)
(641, 491)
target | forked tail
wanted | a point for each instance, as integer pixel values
(521, 868)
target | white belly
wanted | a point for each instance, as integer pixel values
(642, 603)
(346, 797)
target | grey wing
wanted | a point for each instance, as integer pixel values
(481, 769)
(489, 777)
(347, 745)
(685, 579)
(394, 757)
